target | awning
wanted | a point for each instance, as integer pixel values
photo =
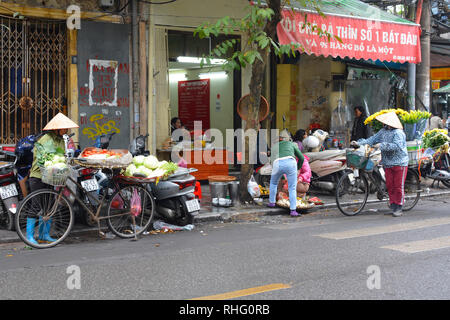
(367, 32)
(445, 89)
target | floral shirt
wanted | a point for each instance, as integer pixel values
(392, 146)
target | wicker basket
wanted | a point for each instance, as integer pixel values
(55, 177)
(221, 178)
(134, 180)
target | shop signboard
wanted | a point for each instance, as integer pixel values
(361, 38)
(440, 73)
(194, 103)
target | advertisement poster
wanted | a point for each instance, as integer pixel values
(194, 102)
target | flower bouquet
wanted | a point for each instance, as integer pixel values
(377, 125)
(435, 138)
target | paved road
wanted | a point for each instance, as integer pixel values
(320, 256)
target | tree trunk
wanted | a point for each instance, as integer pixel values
(258, 73)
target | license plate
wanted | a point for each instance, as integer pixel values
(90, 185)
(8, 191)
(351, 177)
(356, 173)
(192, 205)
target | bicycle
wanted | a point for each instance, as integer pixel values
(354, 187)
(55, 214)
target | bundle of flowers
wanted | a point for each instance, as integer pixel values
(435, 138)
(377, 125)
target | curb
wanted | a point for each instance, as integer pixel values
(254, 212)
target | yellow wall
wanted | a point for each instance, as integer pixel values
(315, 98)
(287, 90)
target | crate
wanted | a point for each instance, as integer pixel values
(414, 152)
(414, 155)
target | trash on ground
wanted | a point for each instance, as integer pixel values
(159, 225)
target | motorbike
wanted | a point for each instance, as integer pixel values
(9, 193)
(174, 197)
(437, 168)
(327, 167)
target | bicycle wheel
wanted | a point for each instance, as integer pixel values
(44, 218)
(412, 189)
(120, 219)
(352, 193)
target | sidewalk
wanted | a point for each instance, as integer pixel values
(210, 213)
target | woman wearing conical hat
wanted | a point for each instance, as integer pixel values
(394, 157)
(53, 139)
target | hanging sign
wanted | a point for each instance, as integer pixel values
(194, 102)
(361, 38)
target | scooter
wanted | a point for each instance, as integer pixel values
(327, 167)
(9, 193)
(174, 197)
(436, 167)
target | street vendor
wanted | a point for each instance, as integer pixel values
(283, 162)
(303, 181)
(51, 141)
(394, 157)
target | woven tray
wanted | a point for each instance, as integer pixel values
(221, 178)
(99, 166)
(136, 179)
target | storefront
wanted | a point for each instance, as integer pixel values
(182, 89)
(364, 63)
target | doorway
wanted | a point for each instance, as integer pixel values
(33, 64)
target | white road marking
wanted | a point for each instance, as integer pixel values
(398, 227)
(421, 246)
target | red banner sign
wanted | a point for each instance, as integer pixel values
(361, 39)
(193, 103)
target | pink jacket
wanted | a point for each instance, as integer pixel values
(304, 174)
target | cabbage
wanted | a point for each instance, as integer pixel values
(143, 170)
(48, 163)
(138, 160)
(59, 165)
(151, 162)
(131, 169)
(162, 163)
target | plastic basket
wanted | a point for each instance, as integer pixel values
(356, 160)
(55, 177)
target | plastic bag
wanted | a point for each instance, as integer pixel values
(266, 170)
(253, 188)
(159, 225)
(135, 202)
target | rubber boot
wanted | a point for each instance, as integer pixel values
(44, 229)
(31, 222)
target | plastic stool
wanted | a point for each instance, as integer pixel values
(198, 190)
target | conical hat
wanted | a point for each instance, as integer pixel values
(60, 121)
(391, 119)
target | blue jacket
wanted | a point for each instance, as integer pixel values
(392, 146)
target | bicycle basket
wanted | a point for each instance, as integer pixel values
(356, 159)
(55, 176)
